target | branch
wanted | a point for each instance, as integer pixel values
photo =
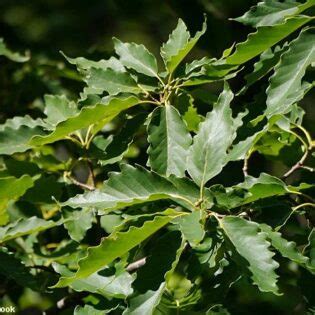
(296, 166)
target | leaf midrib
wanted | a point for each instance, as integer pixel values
(297, 73)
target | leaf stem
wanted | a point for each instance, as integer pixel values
(294, 209)
(76, 141)
(159, 78)
(78, 134)
(307, 148)
(76, 182)
(308, 241)
(87, 140)
(307, 135)
(91, 176)
(157, 103)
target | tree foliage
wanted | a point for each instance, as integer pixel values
(119, 197)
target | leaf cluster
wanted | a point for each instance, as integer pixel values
(116, 195)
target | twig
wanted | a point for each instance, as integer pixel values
(297, 165)
(44, 268)
(85, 186)
(64, 303)
(136, 264)
(245, 167)
(308, 168)
(90, 167)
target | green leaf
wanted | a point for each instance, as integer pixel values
(186, 107)
(120, 143)
(151, 286)
(133, 186)
(45, 189)
(285, 248)
(12, 188)
(192, 119)
(285, 85)
(211, 73)
(251, 244)
(192, 227)
(169, 142)
(179, 45)
(228, 198)
(268, 59)
(209, 251)
(28, 121)
(206, 159)
(32, 225)
(16, 140)
(264, 38)
(136, 57)
(15, 134)
(99, 113)
(263, 187)
(109, 222)
(240, 149)
(4, 51)
(79, 223)
(89, 310)
(12, 267)
(111, 81)
(58, 108)
(86, 64)
(103, 282)
(96, 305)
(270, 12)
(115, 246)
(251, 190)
(145, 303)
(198, 64)
(24, 227)
(162, 259)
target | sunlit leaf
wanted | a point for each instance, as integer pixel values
(253, 246)
(169, 142)
(270, 12)
(179, 45)
(286, 86)
(264, 38)
(115, 246)
(136, 57)
(100, 113)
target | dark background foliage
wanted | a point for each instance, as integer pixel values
(85, 28)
